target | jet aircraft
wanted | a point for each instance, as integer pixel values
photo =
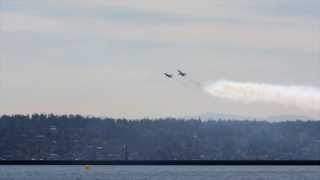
(168, 75)
(182, 73)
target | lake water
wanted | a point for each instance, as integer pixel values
(159, 172)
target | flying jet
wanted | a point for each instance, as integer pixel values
(168, 75)
(182, 73)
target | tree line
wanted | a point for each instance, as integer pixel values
(76, 137)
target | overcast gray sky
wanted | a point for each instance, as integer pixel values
(106, 57)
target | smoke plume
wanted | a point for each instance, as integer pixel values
(306, 98)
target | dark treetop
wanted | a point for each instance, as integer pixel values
(74, 137)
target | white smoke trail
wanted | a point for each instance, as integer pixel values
(306, 98)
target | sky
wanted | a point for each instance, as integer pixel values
(107, 57)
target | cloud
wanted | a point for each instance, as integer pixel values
(239, 35)
(176, 7)
(15, 22)
(309, 10)
(208, 8)
(243, 11)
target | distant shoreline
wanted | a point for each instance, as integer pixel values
(168, 163)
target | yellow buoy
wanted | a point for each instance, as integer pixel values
(87, 167)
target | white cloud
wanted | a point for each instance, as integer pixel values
(234, 35)
(167, 6)
(208, 8)
(15, 22)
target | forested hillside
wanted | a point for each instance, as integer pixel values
(74, 137)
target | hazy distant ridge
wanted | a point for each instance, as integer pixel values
(221, 116)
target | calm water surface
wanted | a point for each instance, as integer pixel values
(160, 172)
